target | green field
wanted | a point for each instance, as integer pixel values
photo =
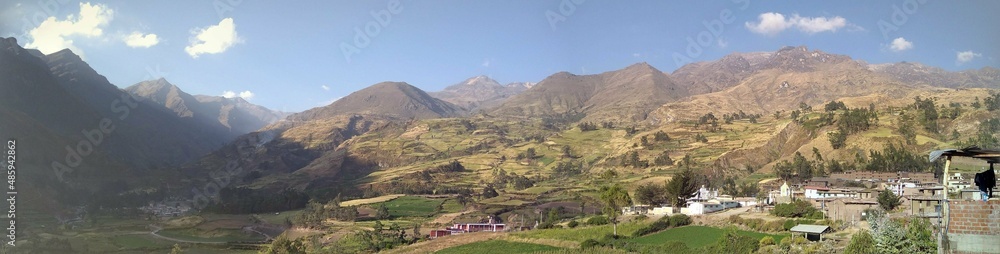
(279, 218)
(580, 234)
(412, 206)
(137, 242)
(218, 235)
(498, 247)
(695, 236)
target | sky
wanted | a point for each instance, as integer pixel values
(292, 56)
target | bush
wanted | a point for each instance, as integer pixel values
(773, 226)
(767, 240)
(861, 243)
(589, 243)
(598, 220)
(657, 226)
(545, 225)
(572, 224)
(797, 209)
(678, 220)
(733, 242)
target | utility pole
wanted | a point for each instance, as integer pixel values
(943, 235)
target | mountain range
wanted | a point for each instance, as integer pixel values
(78, 129)
(480, 92)
(160, 132)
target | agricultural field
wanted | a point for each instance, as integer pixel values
(695, 236)
(497, 247)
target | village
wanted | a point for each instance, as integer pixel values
(840, 196)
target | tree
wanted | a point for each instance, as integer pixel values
(861, 243)
(681, 187)
(530, 153)
(614, 197)
(837, 139)
(644, 141)
(381, 212)
(489, 192)
(888, 200)
(816, 154)
(663, 159)
(650, 194)
(283, 245)
(661, 136)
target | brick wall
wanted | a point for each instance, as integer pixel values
(974, 226)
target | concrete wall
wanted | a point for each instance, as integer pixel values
(974, 226)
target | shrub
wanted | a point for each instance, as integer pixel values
(589, 243)
(796, 209)
(861, 243)
(598, 220)
(678, 220)
(733, 242)
(572, 224)
(767, 240)
(657, 226)
(773, 226)
(545, 225)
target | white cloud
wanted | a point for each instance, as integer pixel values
(246, 95)
(818, 24)
(327, 88)
(966, 56)
(772, 23)
(213, 39)
(900, 44)
(722, 42)
(486, 62)
(137, 40)
(54, 35)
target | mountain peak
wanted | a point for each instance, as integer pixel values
(393, 99)
(481, 79)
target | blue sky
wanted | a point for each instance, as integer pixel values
(291, 55)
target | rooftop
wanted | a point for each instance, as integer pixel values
(988, 155)
(812, 229)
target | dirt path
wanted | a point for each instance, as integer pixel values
(156, 230)
(446, 219)
(720, 217)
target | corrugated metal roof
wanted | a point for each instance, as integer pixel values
(812, 229)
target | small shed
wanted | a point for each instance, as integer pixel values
(811, 232)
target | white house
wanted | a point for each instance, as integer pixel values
(699, 208)
(704, 194)
(726, 204)
(814, 191)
